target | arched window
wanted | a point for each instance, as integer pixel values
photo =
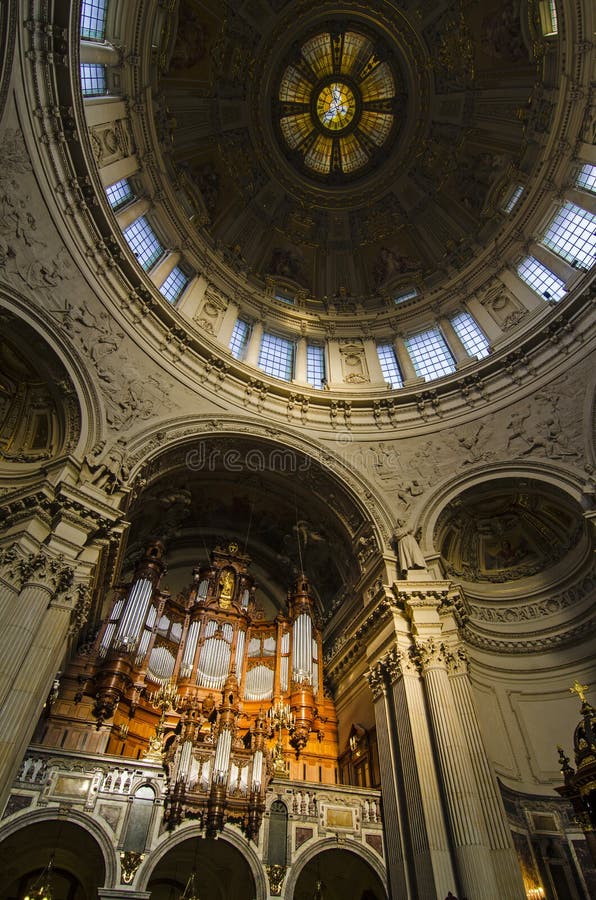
(139, 820)
(278, 834)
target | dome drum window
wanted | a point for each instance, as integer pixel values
(94, 79)
(93, 19)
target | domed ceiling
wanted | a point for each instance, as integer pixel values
(346, 152)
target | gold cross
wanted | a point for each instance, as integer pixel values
(579, 689)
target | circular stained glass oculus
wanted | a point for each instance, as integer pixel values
(336, 104)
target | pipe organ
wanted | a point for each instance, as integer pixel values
(200, 679)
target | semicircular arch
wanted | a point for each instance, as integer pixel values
(320, 847)
(88, 399)
(170, 842)
(88, 824)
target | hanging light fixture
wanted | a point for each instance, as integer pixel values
(191, 891)
(42, 887)
(319, 893)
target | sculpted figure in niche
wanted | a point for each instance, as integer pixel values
(409, 553)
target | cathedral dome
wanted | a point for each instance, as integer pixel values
(368, 198)
(349, 153)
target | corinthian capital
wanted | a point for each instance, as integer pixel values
(457, 660)
(9, 557)
(392, 664)
(376, 681)
(429, 654)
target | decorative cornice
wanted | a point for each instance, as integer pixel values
(517, 645)
(506, 613)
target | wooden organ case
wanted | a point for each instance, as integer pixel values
(203, 682)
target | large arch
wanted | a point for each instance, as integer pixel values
(81, 847)
(187, 848)
(561, 477)
(199, 474)
(309, 867)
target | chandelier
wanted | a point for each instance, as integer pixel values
(42, 888)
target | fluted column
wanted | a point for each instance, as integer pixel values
(46, 567)
(505, 863)
(39, 576)
(474, 865)
(429, 838)
(9, 585)
(393, 801)
(32, 661)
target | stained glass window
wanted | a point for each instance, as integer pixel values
(587, 178)
(284, 298)
(541, 279)
(407, 295)
(336, 104)
(277, 356)
(315, 365)
(94, 82)
(175, 284)
(119, 194)
(430, 354)
(513, 199)
(239, 339)
(143, 242)
(548, 17)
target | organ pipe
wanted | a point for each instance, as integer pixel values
(239, 650)
(185, 763)
(114, 676)
(302, 700)
(135, 613)
(302, 649)
(257, 770)
(192, 639)
(222, 755)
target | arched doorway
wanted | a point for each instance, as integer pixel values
(222, 872)
(336, 875)
(78, 864)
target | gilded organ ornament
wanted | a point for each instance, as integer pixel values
(226, 584)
